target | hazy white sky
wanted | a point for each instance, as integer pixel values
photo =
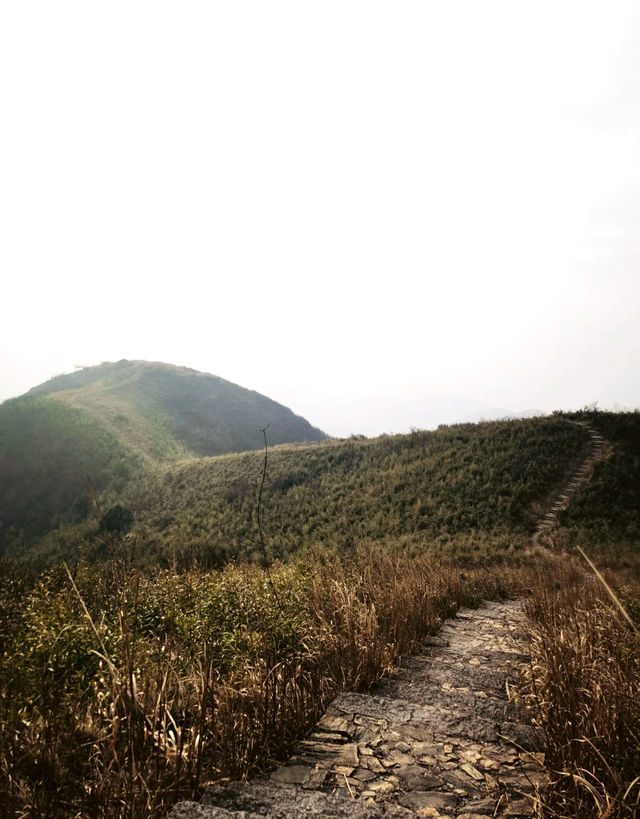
(379, 214)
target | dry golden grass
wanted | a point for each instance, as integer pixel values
(122, 691)
(584, 684)
(126, 691)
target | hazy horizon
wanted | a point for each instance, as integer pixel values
(380, 216)
(408, 408)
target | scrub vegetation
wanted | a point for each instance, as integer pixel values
(466, 489)
(584, 686)
(180, 657)
(605, 513)
(121, 691)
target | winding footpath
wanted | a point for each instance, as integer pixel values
(560, 498)
(439, 738)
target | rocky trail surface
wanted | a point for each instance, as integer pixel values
(439, 738)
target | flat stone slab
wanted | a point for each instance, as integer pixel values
(264, 799)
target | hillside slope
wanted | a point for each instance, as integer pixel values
(467, 488)
(604, 515)
(116, 422)
(47, 448)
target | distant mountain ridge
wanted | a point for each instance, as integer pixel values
(115, 421)
(204, 413)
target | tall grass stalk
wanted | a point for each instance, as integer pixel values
(584, 684)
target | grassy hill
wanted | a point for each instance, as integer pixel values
(471, 491)
(166, 412)
(116, 423)
(467, 489)
(158, 443)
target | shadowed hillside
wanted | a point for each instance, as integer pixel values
(47, 448)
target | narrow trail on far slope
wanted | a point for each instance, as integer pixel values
(561, 496)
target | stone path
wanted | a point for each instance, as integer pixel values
(437, 739)
(561, 497)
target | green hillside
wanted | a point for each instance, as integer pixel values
(455, 489)
(47, 448)
(145, 433)
(116, 423)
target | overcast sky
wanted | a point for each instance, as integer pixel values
(379, 214)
